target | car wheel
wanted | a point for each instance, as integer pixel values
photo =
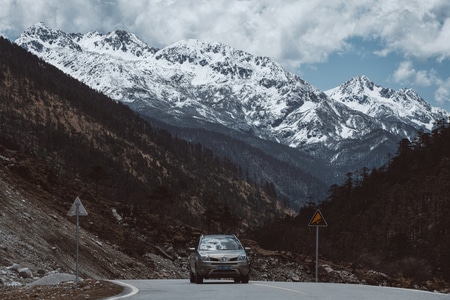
(198, 279)
(191, 277)
(245, 279)
(237, 280)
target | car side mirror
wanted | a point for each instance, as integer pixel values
(248, 249)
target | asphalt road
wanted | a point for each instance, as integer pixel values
(263, 290)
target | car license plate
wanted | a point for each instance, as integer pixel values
(223, 268)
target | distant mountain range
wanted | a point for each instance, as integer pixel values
(243, 106)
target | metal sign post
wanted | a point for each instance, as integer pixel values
(77, 210)
(318, 221)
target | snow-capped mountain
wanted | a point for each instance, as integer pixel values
(193, 81)
(384, 104)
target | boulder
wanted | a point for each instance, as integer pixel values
(25, 273)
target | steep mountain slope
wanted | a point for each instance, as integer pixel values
(104, 145)
(396, 114)
(209, 85)
(138, 83)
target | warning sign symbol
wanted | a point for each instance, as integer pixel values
(318, 220)
(77, 208)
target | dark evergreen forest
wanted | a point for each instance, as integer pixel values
(394, 218)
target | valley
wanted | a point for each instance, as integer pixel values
(153, 175)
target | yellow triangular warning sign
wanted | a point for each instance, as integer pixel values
(318, 220)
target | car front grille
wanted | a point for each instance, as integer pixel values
(224, 264)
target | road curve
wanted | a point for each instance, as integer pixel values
(264, 290)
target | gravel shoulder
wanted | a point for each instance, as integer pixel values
(87, 289)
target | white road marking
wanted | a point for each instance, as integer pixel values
(134, 290)
(280, 288)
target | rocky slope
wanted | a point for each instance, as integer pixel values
(37, 234)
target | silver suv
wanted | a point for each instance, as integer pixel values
(219, 256)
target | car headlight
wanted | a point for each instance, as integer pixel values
(242, 257)
(205, 258)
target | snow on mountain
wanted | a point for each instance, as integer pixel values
(404, 105)
(213, 82)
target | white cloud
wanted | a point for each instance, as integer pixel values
(406, 73)
(442, 93)
(293, 31)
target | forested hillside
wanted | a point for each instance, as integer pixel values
(398, 213)
(103, 146)
(394, 218)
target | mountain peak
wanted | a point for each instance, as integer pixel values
(41, 29)
(363, 80)
(39, 26)
(207, 52)
(119, 43)
(359, 84)
(39, 36)
(218, 63)
(361, 94)
(204, 46)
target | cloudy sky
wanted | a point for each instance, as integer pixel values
(396, 43)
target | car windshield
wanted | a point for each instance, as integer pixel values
(219, 243)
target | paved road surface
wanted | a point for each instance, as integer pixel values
(262, 290)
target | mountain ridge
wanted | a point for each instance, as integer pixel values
(203, 64)
(361, 94)
(193, 83)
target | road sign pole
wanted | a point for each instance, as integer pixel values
(318, 221)
(76, 264)
(77, 209)
(317, 253)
